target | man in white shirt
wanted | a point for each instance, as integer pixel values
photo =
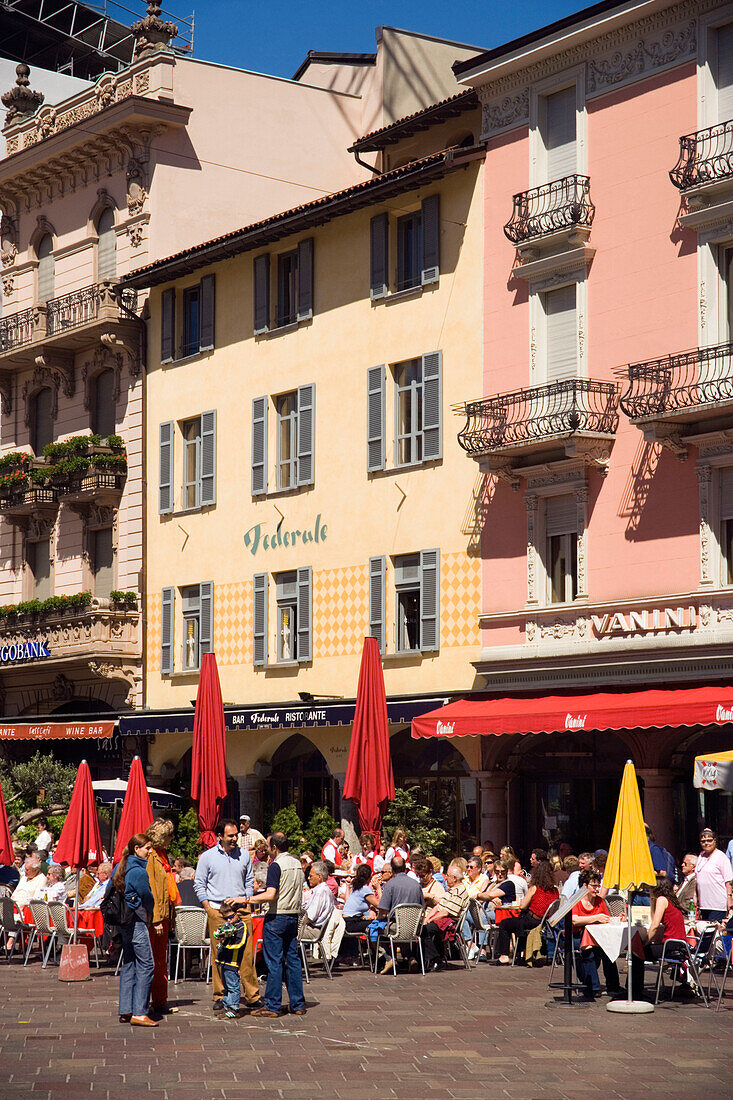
(585, 859)
(330, 849)
(248, 836)
(55, 889)
(93, 900)
(321, 901)
(32, 883)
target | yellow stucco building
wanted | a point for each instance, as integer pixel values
(304, 483)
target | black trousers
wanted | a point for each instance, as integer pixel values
(349, 948)
(432, 944)
(523, 923)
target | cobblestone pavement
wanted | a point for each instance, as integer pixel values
(448, 1035)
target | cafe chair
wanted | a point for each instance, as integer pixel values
(721, 990)
(460, 940)
(191, 935)
(483, 929)
(5, 891)
(616, 904)
(10, 927)
(363, 946)
(676, 953)
(312, 937)
(404, 927)
(49, 925)
(520, 938)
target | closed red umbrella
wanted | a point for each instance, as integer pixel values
(137, 813)
(6, 844)
(80, 843)
(369, 779)
(209, 758)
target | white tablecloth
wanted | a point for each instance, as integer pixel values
(612, 938)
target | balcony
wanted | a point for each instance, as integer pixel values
(571, 418)
(28, 502)
(681, 394)
(73, 633)
(550, 225)
(704, 175)
(67, 324)
(95, 487)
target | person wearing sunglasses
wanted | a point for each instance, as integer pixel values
(714, 879)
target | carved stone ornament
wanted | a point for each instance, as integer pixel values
(8, 240)
(152, 33)
(21, 100)
(136, 190)
(40, 527)
(103, 359)
(135, 233)
(127, 674)
(56, 374)
(8, 283)
(62, 689)
(643, 56)
(6, 394)
(511, 110)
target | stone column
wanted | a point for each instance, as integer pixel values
(348, 816)
(704, 477)
(493, 807)
(250, 798)
(658, 812)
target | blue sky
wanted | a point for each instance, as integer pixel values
(273, 36)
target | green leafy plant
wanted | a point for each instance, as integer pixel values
(186, 841)
(407, 812)
(123, 599)
(39, 786)
(288, 822)
(319, 829)
(77, 602)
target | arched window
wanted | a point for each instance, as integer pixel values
(41, 419)
(103, 404)
(44, 252)
(107, 245)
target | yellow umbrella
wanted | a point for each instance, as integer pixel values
(629, 865)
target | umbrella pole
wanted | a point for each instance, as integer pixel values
(112, 830)
(75, 936)
(629, 1005)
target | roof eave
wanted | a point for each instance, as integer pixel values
(431, 116)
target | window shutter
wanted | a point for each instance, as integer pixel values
(207, 307)
(378, 256)
(207, 494)
(46, 268)
(561, 515)
(375, 419)
(167, 325)
(206, 617)
(562, 333)
(432, 380)
(106, 246)
(306, 432)
(377, 599)
(259, 446)
(726, 493)
(305, 279)
(430, 239)
(724, 74)
(560, 127)
(165, 479)
(305, 614)
(262, 293)
(259, 616)
(166, 631)
(429, 599)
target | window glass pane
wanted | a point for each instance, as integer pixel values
(287, 288)
(103, 408)
(287, 645)
(39, 561)
(41, 420)
(190, 641)
(562, 562)
(102, 562)
(409, 250)
(191, 462)
(106, 246)
(286, 440)
(408, 619)
(409, 411)
(191, 321)
(45, 268)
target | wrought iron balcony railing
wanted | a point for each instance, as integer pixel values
(562, 204)
(663, 387)
(531, 415)
(705, 157)
(18, 329)
(93, 483)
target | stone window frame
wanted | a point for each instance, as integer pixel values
(537, 492)
(538, 320)
(539, 91)
(104, 202)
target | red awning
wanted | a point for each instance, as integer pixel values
(56, 731)
(704, 706)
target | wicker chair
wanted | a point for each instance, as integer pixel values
(404, 926)
(5, 891)
(616, 904)
(50, 923)
(11, 927)
(312, 937)
(191, 935)
(482, 926)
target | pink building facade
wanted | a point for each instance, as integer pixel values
(603, 441)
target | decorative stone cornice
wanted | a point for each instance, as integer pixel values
(130, 674)
(21, 100)
(622, 56)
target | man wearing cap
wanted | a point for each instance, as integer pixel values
(248, 836)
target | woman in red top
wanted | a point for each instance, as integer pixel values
(592, 909)
(668, 923)
(533, 906)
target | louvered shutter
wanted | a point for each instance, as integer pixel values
(305, 279)
(262, 293)
(726, 493)
(166, 631)
(208, 310)
(106, 246)
(306, 433)
(430, 240)
(724, 73)
(375, 419)
(206, 617)
(429, 600)
(259, 446)
(378, 256)
(377, 599)
(560, 134)
(561, 515)
(46, 268)
(259, 618)
(167, 325)
(305, 613)
(207, 494)
(165, 466)
(432, 381)
(562, 333)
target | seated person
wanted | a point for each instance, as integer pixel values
(667, 923)
(438, 874)
(30, 888)
(185, 886)
(356, 910)
(306, 862)
(432, 890)
(321, 901)
(502, 893)
(440, 921)
(540, 895)
(571, 868)
(592, 909)
(475, 881)
(9, 875)
(398, 889)
(93, 900)
(55, 889)
(331, 881)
